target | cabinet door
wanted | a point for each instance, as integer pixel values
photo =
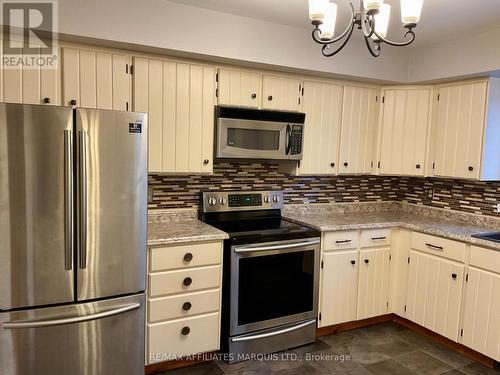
(121, 82)
(404, 131)
(481, 327)
(357, 135)
(322, 105)
(339, 285)
(373, 291)
(239, 88)
(281, 93)
(435, 293)
(459, 133)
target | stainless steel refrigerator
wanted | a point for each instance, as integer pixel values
(73, 226)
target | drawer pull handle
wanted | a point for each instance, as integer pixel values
(367, 261)
(72, 102)
(46, 100)
(434, 246)
(378, 238)
(453, 276)
(188, 257)
(353, 262)
(332, 165)
(342, 241)
(270, 97)
(254, 95)
(187, 281)
(186, 306)
(185, 331)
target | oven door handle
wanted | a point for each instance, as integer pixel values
(274, 333)
(247, 249)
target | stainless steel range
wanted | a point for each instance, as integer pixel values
(271, 273)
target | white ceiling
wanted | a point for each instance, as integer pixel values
(441, 20)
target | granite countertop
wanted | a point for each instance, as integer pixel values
(337, 221)
(166, 228)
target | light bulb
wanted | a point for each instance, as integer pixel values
(317, 9)
(410, 11)
(372, 4)
(327, 28)
(382, 21)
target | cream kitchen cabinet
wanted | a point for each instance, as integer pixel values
(95, 79)
(239, 88)
(180, 99)
(403, 130)
(281, 93)
(339, 287)
(435, 293)
(358, 130)
(467, 130)
(481, 323)
(31, 85)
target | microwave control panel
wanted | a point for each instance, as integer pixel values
(296, 139)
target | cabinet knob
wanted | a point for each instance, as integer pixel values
(332, 165)
(346, 164)
(185, 331)
(418, 166)
(46, 100)
(187, 281)
(72, 102)
(453, 276)
(186, 306)
(254, 95)
(471, 168)
(188, 257)
(367, 261)
(206, 161)
(353, 262)
(270, 97)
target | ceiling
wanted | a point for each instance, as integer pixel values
(441, 20)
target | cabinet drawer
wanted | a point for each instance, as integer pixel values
(486, 259)
(375, 237)
(167, 339)
(182, 281)
(182, 256)
(438, 246)
(340, 240)
(183, 306)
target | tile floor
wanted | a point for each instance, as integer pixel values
(385, 349)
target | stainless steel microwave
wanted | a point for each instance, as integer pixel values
(243, 133)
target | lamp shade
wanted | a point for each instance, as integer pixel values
(382, 20)
(410, 11)
(372, 4)
(317, 9)
(327, 28)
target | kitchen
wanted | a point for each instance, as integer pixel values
(187, 202)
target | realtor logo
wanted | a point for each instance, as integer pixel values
(29, 34)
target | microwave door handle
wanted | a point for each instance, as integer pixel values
(288, 136)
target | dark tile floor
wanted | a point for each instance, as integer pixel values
(382, 349)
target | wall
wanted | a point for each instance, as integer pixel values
(467, 196)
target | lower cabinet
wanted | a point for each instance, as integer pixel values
(373, 289)
(435, 293)
(184, 299)
(339, 287)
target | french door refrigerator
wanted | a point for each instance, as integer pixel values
(73, 224)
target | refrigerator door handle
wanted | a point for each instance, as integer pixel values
(68, 200)
(82, 160)
(71, 320)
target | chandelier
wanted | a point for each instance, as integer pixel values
(372, 19)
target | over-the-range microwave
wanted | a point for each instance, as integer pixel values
(243, 133)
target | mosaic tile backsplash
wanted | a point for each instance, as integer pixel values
(183, 191)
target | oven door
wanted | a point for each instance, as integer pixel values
(252, 139)
(273, 283)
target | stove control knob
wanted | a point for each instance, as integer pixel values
(222, 201)
(276, 199)
(267, 199)
(212, 201)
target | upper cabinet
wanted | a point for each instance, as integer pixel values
(239, 88)
(31, 85)
(281, 93)
(467, 130)
(94, 79)
(403, 131)
(180, 99)
(358, 131)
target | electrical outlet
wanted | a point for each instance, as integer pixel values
(498, 207)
